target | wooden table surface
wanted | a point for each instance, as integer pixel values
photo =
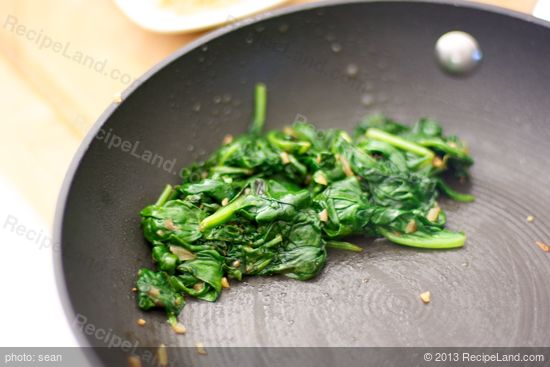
(49, 101)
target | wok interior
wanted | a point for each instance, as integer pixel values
(483, 295)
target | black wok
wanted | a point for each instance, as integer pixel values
(493, 292)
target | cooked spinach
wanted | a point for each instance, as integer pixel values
(272, 203)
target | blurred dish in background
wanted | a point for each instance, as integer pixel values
(179, 16)
(542, 10)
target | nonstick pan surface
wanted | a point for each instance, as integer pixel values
(492, 292)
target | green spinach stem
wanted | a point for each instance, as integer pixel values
(455, 195)
(260, 106)
(341, 245)
(399, 142)
(165, 196)
(223, 214)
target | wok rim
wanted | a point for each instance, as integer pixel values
(59, 216)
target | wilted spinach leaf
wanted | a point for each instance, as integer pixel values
(272, 203)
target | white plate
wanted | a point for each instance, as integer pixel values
(542, 10)
(178, 16)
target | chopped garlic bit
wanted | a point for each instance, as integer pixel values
(225, 201)
(179, 328)
(287, 130)
(198, 286)
(346, 167)
(169, 224)
(426, 297)
(543, 246)
(200, 348)
(320, 179)
(162, 355)
(134, 289)
(141, 322)
(182, 253)
(323, 215)
(236, 264)
(134, 361)
(225, 282)
(154, 292)
(438, 162)
(228, 139)
(411, 226)
(433, 214)
(530, 218)
(285, 158)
